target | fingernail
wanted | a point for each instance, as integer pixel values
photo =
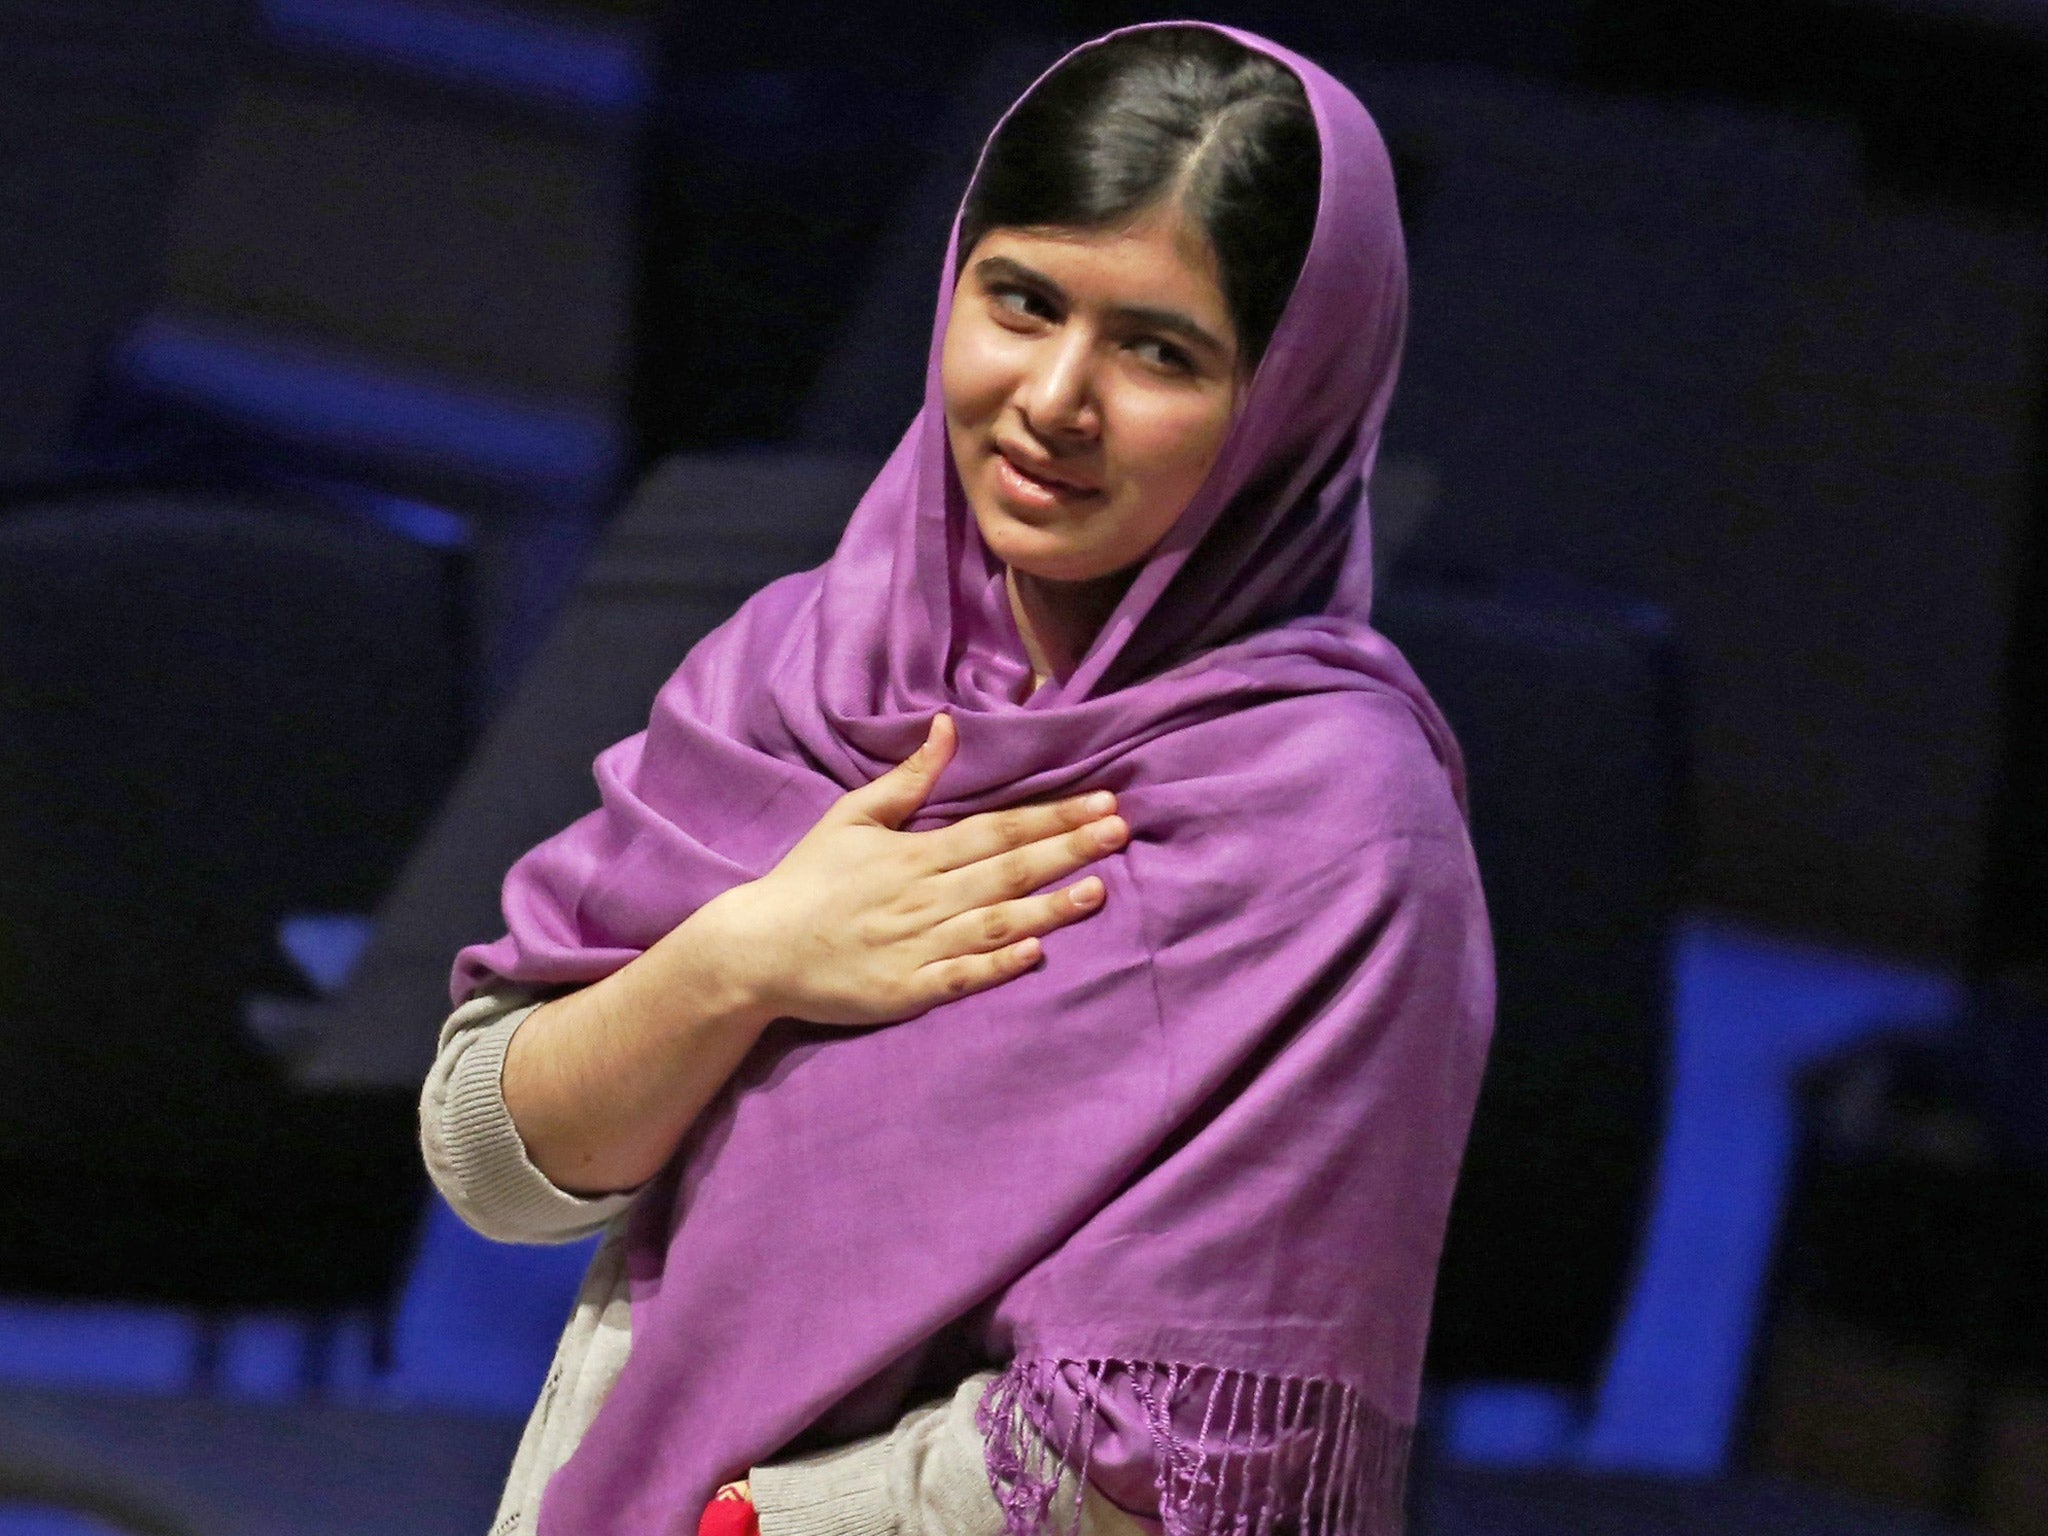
(1111, 833)
(1086, 893)
(1098, 803)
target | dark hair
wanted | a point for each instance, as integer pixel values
(1179, 113)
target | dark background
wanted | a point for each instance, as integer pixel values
(335, 335)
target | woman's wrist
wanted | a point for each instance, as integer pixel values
(604, 1082)
(718, 957)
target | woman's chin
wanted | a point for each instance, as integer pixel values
(1039, 552)
(1063, 567)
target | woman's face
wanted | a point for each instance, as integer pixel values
(1089, 379)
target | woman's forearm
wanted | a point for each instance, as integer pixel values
(604, 1082)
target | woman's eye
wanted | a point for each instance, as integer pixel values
(1021, 302)
(1164, 355)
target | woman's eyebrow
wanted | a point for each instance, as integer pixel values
(1004, 269)
(1174, 321)
(1001, 269)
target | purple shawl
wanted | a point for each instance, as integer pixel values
(1187, 1181)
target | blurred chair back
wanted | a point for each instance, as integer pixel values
(1568, 711)
(213, 714)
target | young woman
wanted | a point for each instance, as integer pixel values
(1031, 970)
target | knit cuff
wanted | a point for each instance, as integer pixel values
(497, 1189)
(842, 1492)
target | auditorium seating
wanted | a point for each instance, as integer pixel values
(215, 712)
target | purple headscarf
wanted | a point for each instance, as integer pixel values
(1187, 1181)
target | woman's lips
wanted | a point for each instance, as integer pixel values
(1021, 485)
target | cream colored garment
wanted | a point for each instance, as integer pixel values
(923, 1477)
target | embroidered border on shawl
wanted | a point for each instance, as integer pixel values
(1334, 1465)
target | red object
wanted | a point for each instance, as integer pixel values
(730, 1514)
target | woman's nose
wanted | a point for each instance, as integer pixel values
(1058, 397)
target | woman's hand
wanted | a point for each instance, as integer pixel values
(864, 924)
(859, 924)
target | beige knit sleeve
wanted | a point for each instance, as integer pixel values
(925, 1476)
(472, 1148)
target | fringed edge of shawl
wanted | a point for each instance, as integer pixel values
(1351, 1467)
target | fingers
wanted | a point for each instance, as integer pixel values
(995, 944)
(1008, 922)
(1020, 871)
(894, 798)
(993, 833)
(944, 980)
